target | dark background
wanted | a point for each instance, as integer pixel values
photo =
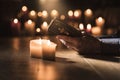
(109, 9)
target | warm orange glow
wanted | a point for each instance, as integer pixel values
(70, 13)
(45, 23)
(77, 13)
(24, 8)
(54, 13)
(62, 17)
(96, 31)
(29, 26)
(33, 13)
(88, 13)
(39, 14)
(89, 26)
(15, 20)
(44, 27)
(100, 21)
(38, 30)
(29, 21)
(44, 14)
(81, 26)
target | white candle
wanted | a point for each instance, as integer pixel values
(36, 48)
(42, 48)
(48, 49)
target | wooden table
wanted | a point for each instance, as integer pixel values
(16, 64)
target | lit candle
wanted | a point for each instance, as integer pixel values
(77, 13)
(81, 26)
(42, 48)
(16, 27)
(44, 27)
(29, 26)
(70, 13)
(33, 14)
(48, 49)
(36, 48)
(54, 13)
(88, 13)
(88, 28)
(100, 21)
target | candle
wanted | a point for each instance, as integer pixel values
(81, 26)
(44, 27)
(33, 14)
(36, 48)
(29, 27)
(88, 13)
(42, 48)
(100, 21)
(48, 49)
(15, 24)
(88, 28)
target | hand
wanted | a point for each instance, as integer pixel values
(84, 45)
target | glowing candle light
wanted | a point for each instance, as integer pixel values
(42, 48)
(100, 21)
(81, 26)
(48, 49)
(39, 14)
(77, 13)
(38, 30)
(44, 27)
(70, 13)
(32, 14)
(16, 25)
(54, 13)
(36, 48)
(88, 28)
(62, 17)
(88, 13)
(29, 26)
(44, 14)
(24, 8)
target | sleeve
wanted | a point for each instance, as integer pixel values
(110, 46)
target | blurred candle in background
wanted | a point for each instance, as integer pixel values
(100, 21)
(24, 8)
(77, 13)
(29, 27)
(15, 27)
(44, 27)
(89, 27)
(54, 13)
(81, 26)
(88, 13)
(70, 13)
(44, 14)
(33, 14)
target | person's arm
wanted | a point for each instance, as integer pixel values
(110, 46)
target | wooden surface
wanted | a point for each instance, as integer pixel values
(16, 64)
